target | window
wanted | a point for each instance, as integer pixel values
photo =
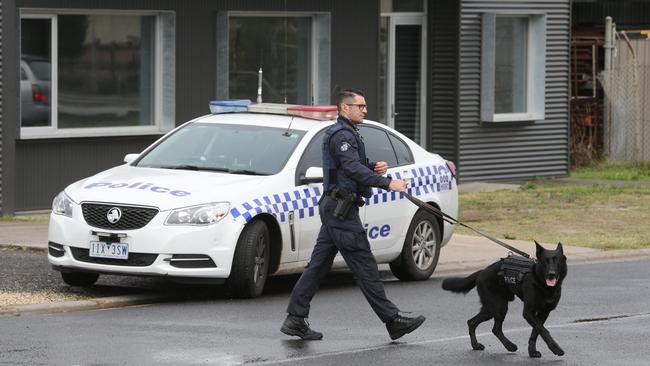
(292, 51)
(513, 79)
(378, 146)
(97, 74)
(312, 157)
(404, 155)
(225, 148)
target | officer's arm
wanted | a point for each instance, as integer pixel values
(344, 148)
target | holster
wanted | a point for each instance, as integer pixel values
(344, 202)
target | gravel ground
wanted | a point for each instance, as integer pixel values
(27, 278)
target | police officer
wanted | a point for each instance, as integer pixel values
(348, 176)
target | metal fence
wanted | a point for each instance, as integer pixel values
(627, 107)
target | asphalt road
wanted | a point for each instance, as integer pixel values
(602, 319)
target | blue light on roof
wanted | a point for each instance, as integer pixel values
(228, 106)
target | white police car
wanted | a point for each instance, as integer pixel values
(233, 197)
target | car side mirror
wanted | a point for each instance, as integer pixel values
(312, 175)
(130, 157)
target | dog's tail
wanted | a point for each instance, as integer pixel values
(460, 284)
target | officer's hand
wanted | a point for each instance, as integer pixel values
(397, 185)
(381, 167)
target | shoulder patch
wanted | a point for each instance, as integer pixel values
(345, 146)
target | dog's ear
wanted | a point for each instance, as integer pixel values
(538, 249)
(559, 248)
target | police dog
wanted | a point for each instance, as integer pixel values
(539, 289)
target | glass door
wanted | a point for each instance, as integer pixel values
(402, 76)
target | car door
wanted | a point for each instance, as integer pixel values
(307, 221)
(385, 220)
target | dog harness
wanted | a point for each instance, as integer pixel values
(513, 269)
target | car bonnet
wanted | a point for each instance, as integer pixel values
(165, 189)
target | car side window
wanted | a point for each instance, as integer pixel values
(378, 146)
(404, 154)
(312, 157)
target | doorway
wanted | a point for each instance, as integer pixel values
(402, 78)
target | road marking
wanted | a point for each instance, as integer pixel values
(446, 339)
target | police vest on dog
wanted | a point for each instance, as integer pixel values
(513, 269)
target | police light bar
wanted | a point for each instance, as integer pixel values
(317, 112)
(229, 106)
(273, 108)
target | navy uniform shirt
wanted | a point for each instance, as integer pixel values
(347, 152)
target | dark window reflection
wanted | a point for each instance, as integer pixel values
(35, 71)
(105, 70)
(283, 56)
(510, 65)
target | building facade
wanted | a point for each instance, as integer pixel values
(483, 83)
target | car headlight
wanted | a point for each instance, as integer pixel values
(62, 205)
(199, 215)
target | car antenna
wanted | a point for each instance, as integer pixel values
(259, 85)
(286, 133)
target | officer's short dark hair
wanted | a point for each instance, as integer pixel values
(345, 94)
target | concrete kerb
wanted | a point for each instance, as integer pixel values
(83, 305)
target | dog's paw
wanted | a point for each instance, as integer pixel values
(534, 354)
(478, 346)
(511, 347)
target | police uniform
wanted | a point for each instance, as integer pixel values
(346, 167)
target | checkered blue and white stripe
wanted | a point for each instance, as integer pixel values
(421, 180)
(304, 201)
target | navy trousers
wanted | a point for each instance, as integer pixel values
(349, 238)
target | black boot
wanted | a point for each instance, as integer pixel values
(297, 326)
(403, 325)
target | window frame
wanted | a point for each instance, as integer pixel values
(163, 96)
(320, 51)
(535, 67)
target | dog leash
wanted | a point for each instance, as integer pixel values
(427, 207)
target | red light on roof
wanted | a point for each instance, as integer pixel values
(318, 112)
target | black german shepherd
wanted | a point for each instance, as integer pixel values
(539, 288)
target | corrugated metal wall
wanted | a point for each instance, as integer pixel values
(8, 104)
(443, 24)
(522, 150)
(1, 120)
(47, 166)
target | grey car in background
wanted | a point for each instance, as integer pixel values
(35, 95)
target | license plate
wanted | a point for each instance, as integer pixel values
(102, 249)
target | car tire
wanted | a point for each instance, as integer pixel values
(83, 279)
(250, 265)
(421, 249)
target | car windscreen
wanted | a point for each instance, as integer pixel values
(229, 148)
(41, 69)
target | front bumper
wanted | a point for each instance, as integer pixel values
(217, 241)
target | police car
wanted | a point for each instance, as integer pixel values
(232, 197)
